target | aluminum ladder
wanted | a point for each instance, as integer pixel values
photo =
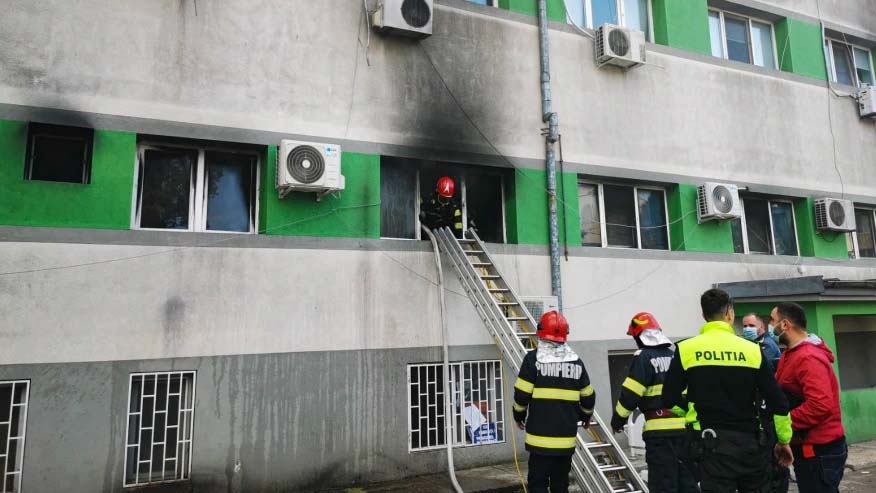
(599, 464)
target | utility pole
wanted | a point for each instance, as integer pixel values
(551, 136)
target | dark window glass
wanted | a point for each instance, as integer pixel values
(866, 230)
(58, 153)
(652, 219)
(736, 31)
(483, 205)
(620, 216)
(398, 199)
(230, 191)
(165, 188)
(783, 228)
(736, 229)
(757, 226)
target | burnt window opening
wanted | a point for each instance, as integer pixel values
(408, 191)
(58, 153)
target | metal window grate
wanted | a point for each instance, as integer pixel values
(161, 412)
(476, 399)
(14, 397)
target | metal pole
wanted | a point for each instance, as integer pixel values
(551, 137)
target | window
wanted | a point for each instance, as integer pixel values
(623, 216)
(766, 227)
(477, 404)
(850, 65)
(862, 241)
(190, 188)
(489, 3)
(634, 14)
(855, 336)
(58, 153)
(742, 39)
(14, 397)
(407, 183)
(160, 419)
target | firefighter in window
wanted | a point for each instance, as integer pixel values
(441, 208)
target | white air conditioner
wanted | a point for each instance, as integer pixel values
(308, 167)
(718, 201)
(834, 215)
(412, 18)
(619, 46)
(867, 102)
(538, 305)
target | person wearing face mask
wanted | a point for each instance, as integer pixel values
(806, 375)
(754, 331)
(725, 377)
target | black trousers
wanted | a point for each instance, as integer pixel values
(669, 467)
(735, 461)
(822, 473)
(549, 473)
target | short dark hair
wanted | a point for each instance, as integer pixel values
(792, 312)
(715, 303)
(763, 320)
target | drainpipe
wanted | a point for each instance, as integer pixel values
(551, 137)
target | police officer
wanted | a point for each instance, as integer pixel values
(441, 209)
(725, 377)
(664, 431)
(551, 395)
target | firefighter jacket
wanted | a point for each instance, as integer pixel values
(552, 397)
(726, 376)
(643, 388)
(438, 212)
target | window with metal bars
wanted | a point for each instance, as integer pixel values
(161, 416)
(476, 404)
(14, 397)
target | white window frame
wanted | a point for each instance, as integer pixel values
(769, 203)
(418, 231)
(186, 470)
(17, 469)
(854, 234)
(828, 52)
(495, 395)
(621, 17)
(197, 189)
(603, 229)
(748, 21)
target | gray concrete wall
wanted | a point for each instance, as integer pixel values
(308, 75)
(271, 422)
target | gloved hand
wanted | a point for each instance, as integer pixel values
(521, 425)
(585, 422)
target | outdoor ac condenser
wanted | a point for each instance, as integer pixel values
(308, 167)
(834, 215)
(619, 46)
(412, 18)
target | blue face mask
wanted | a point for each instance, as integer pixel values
(772, 332)
(749, 333)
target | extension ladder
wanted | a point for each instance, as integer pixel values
(599, 464)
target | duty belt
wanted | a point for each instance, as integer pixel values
(659, 413)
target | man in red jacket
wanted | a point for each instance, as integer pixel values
(806, 375)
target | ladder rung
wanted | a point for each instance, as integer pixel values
(465, 240)
(508, 303)
(525, 334)
(481, 264)
(597, 445)
(498, 290)
(624, 490)
(473, 251)
(517, 319)
(611, 467)
(491, 276)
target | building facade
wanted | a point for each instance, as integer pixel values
(168, 321)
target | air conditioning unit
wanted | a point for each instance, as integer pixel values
(867, 102)
(718, 201)
(412, 18)
(619, 46)
(834, 215)
(538, 305)
(308, 167)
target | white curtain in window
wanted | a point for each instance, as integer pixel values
(762, 44)
(715, 34)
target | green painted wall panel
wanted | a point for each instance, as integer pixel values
(104, 203)
(556, 10)
(530, 208)
(686, 234)
(682, 24)
(355, 214)
(812, 242)
(800, 49)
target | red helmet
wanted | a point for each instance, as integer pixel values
(553, 327)
(641, 322)
(446, 186)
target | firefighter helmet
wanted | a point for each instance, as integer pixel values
(641, 322)
(446, 187)
(553, 327)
